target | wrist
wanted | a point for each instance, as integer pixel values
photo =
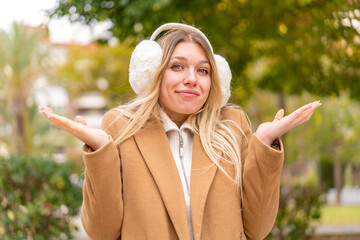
(103, 141)
(264, 139)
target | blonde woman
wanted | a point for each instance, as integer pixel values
(177, 162)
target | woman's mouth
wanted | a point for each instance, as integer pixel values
(188, 93)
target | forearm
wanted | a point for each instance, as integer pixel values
(261, 185)
(102, 209)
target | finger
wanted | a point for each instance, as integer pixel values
(305, 115)
(279, 115)
(46, 109)
(309, 112)
(47, 112)
(80, 119)
(316, 104)
(313, 106)
(78, 128)
(301, 110)
(57, 120)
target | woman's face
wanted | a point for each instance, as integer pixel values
(186, 82)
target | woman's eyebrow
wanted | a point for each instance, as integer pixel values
(178, 57)
(184, 58)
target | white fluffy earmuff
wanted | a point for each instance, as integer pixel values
(147, 55)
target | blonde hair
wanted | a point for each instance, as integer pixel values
(219, 137)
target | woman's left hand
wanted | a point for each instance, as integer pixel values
(269, 131)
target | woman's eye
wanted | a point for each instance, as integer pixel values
(203, 71)
(176, 67)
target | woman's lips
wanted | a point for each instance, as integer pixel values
(188, 93)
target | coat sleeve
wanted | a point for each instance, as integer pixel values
(102, 208)
(262, 166)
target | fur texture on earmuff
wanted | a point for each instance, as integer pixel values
(146, 59)
(144, 62)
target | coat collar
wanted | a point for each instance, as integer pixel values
(154, 147)
(202, 174)
(169, 125)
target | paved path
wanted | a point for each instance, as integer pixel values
(349, 196)
(322, 230)
(343, 230)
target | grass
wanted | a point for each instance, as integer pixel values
(340, 215)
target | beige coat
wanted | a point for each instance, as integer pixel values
(133, 190)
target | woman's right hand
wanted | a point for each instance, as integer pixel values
(93, 137)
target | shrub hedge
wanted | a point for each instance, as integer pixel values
(38, 198)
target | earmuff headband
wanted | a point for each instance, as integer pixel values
(169, 26)
(146, 59)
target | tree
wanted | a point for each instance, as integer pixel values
(328, 142)
(337, 133)
(309, 45)
(21, 63)
(97, 68)
(299, 208)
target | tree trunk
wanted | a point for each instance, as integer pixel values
(356, 174)
(18, 112)
(337, 180)
(282, 105)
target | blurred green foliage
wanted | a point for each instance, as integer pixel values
(308, 48)
(331, 133)
(295, 45)
(300, 206)
(22, 62)
(285, 46)
(100, 68)
(328, 143)
(24, 59)
(38, 198)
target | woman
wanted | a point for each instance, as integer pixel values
(177, 162)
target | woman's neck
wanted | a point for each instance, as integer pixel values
(177, 118)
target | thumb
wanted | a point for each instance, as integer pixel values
(81, 120)
(279, 115)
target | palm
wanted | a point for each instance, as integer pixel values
(93, 137)
(269, 131)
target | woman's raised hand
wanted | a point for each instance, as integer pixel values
(269, 131)
(93, 137)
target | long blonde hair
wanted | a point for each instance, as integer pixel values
(219, 137)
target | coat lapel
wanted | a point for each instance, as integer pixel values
(155, 149)
(202, 175)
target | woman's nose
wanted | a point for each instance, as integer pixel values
(190, 77)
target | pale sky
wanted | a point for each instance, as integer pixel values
(32, 12)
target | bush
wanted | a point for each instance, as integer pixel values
(38, 198)
(300, 205)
